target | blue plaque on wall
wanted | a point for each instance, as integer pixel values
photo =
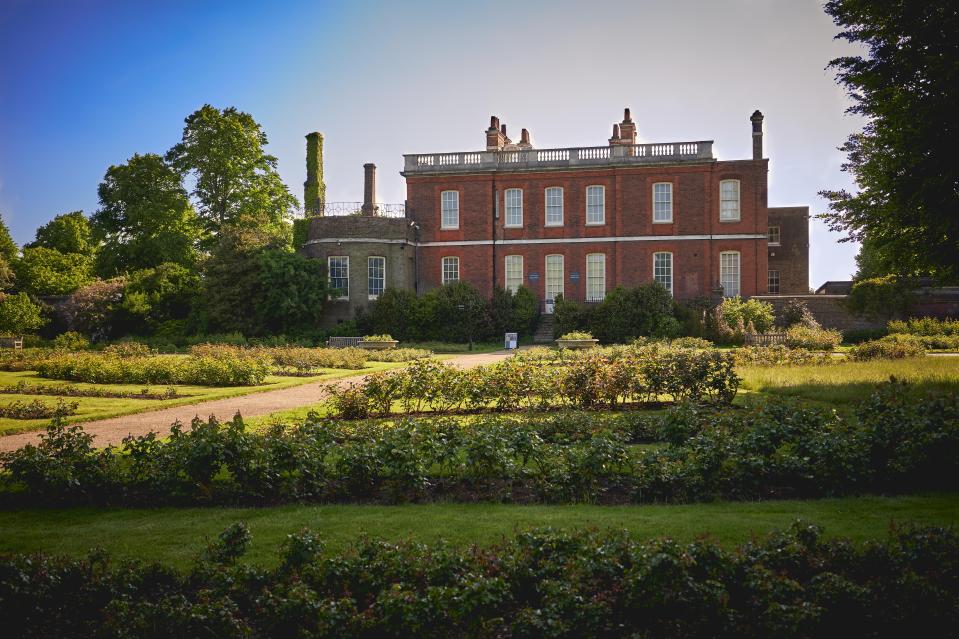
(534, 276)
(574, 275)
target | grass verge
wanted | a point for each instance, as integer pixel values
(175, 535)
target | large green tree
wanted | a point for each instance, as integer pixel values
(235, 180)
(67, 233)
(46, 271)
(8, 254)
(904, 161)
(145, 217)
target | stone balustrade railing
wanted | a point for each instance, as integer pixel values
(624, 155)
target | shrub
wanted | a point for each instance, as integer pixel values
(691, 342)
(889, 347)
(384, 337)
(738, 314)
(927, 326)
(399, 355)
(880, 297)
(857, 335)
(19, 315)
(577, 335)
(94, 309)
(71, 341)
(795, 312)
(812, 338)
(127, 349)
(36, 409)
(627, 313)
(780, 355)
(541, 583)
(195, 370)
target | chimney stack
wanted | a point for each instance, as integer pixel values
(757, 120)
(314, 190)
(369, 189)
(524, 142)
(624, 133)
(496, 135)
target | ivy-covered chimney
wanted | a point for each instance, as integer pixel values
(314, 189)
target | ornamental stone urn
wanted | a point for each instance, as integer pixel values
(576, 344)
(378, 345)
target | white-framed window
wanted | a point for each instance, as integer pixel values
(663, 270)
(596, 204)
(554, 206)
(662, 202)
(595, 277)
(514, 272)
(451, 269)
(773, 282)
(514, 207)
(554, 276)
(376, 276)
(773, 236)
(729, 273)
(729, 200)
(338, 268)
(450, 209)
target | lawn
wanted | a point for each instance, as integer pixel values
(92, 408)
(844, 384)
(175, 535)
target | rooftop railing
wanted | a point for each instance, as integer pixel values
(621, 155)
(335, 209)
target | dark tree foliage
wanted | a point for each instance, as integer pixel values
(157, 295)
(236, 181)
(145, 218)
(67, 233)
(904, 161)
(8, 248)
(256, 286)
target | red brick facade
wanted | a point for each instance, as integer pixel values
(627, 237)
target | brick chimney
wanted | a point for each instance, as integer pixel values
(524, 142)
(496, 135)
(624, 133)
(757, 119)
(314, 190)
(369, 189)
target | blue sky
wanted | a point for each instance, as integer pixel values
(86, 84)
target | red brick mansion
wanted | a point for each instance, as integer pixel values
(576, 222)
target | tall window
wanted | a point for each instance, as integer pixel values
(451, 269)
(554, 276)
(376, 276)
(338, 268)
(514, 272)
(554, 206)
(729, 200)
(595, 204)
(450, 205)
(729, 273)
(663, 270)
(773, 236)
(514, 207)
(595, 277)
(773, 282)
(662, 202)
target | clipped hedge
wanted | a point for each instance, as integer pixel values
(889, 347)
(897, 443)
(535, 584)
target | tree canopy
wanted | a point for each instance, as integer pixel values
(145, 217)
(46, 271)
(236, 181)
(67, 233)
(904, 161)
(19, 315)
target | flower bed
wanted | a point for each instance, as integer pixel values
(536, 584)
(194, 369)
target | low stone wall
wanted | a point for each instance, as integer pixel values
(829, 310)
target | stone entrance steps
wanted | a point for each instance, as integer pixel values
(545, 330)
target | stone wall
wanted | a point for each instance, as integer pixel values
(829, 310)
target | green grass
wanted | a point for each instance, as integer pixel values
(93, 408)
(454, 347)
(175, 536)
(842, 385)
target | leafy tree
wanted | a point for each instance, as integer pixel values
(162, 294)
(8, 248)
(94, 309)
(294, 291)
(236, 182)
(47, 271)
(67, 233)
(19, 315)
(881, 298)
(145, 217)
(628, 313)
(904, 161)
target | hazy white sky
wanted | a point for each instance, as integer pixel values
(380, 79)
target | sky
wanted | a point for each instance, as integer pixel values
(85, 84)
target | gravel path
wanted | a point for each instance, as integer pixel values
(113, 430)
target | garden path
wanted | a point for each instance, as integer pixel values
(113, 430)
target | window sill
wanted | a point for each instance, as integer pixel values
(736, 221)
(449, 228)
(773, 244)
(662, 221)
(553, 225)
(512, 226)
(596, 224)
